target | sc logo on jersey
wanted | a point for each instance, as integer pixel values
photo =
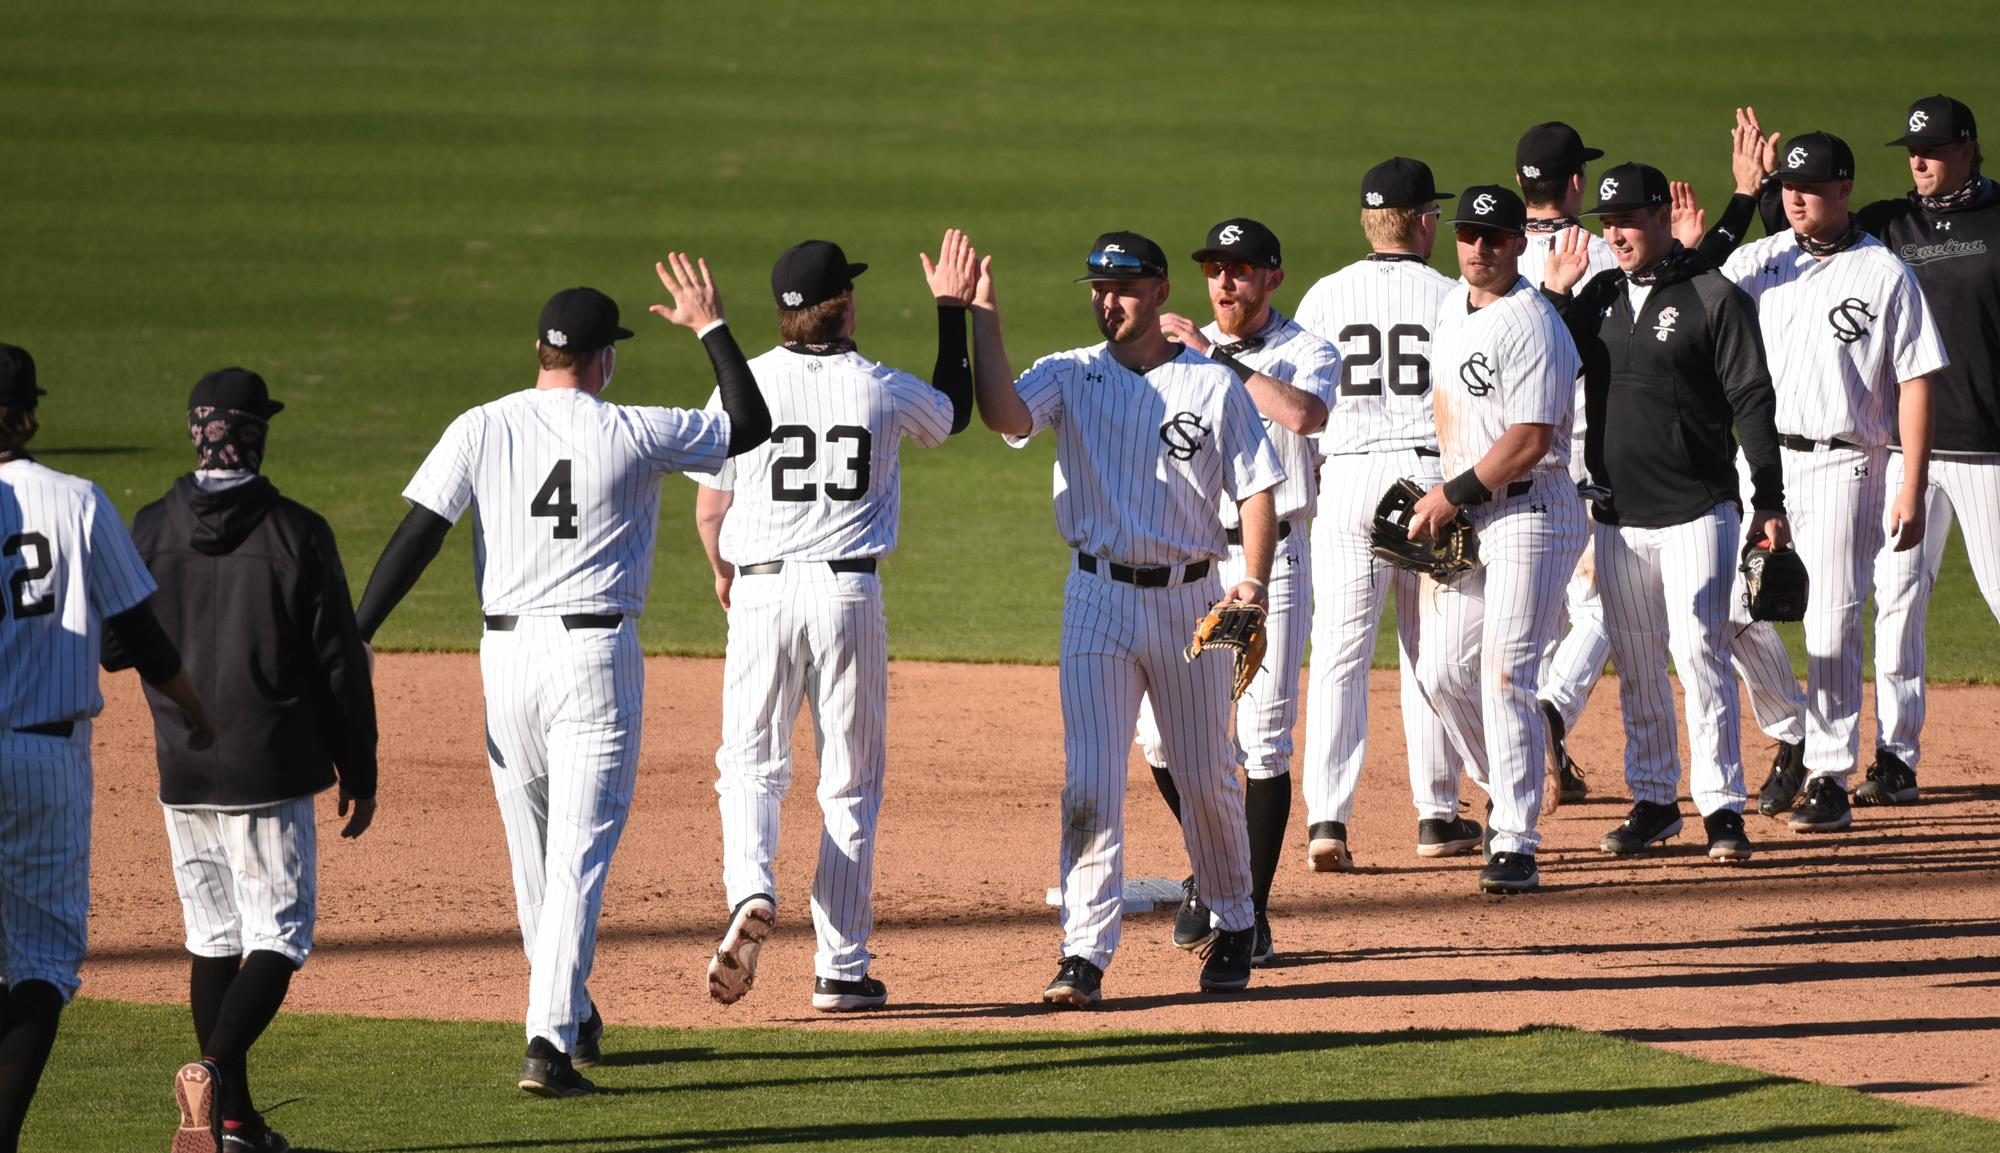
(1850, 319)
(1477, 374)
(1183, 435)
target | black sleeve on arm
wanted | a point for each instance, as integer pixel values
(1729, 231)
(347, 697)
(139, 642)
(410, 550)
(953, 373)
(749, 418)
(1739, 364)
(1771, 205)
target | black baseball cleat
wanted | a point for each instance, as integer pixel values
(1726, 839)
(589, 1041)
(1509, 873)
(835, 996)
(1262, 951)
(1825, 808)
(1191, 921)
(1646, 825)
(1564, 772)
(1326, 848)
(1439, 838)
(1077, 984)
(1890, 782)
(1227, 969)
(252, 1136)
(547, 1072)
(1788, 773)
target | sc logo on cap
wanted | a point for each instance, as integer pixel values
(1114, 248)
(1483, 204)
(1230, 235)
(1796, 158)
(1918, 119)
(1608, 189)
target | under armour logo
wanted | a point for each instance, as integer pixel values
(1771, 269)
(793, 299)
(1477, 374)
(1796, 158)
(1484, 204)
(1374, 199)
(1850, 319)
(1230, 235)
(555, 338)
(1860, 472)
(1918, 119)
(1096, 376)
(1531, 172)
(1943, 226)
(1183, 435)
(1538, 508)
(1608, 189)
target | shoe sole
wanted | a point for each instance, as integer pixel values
(550, 1091)
(1730, 852)
(1208, 986)
(847, 1002)
(1449, 848)
(1510, 888)
(1198, 942)
(733, 969)
(1833, 826)
(1329, 856)
(1627, 849)
(1867, 796)
(195, 1092)
(1773, 809)
(1070, 997)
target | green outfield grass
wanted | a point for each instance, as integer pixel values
(369, 201)
(348, 1083)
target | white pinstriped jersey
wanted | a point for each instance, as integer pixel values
(1142, 461)
(1304, 361)
(66, 563)
(1380, 313)
(828, 484)
(565, 490)
(1511, 362)
(1841, 334)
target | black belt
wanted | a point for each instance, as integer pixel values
(766, 568)
(52, 729)
(1426, 452)
(571, 621)
(1807, 444)
(1146, 578)
(1235, 535)
(1520, 487)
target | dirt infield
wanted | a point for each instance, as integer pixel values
(1866, 959)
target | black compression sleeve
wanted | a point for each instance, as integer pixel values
(953, 373)
(409, 551)
(1243, 371)
(749, 418)
(1729, 232)
(143, 644)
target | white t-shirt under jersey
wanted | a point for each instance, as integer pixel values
(827, 485)
(1291, 354)
(1142, 460)
(1381, 314)
(565, 491)
(1841, 334)
(66, 563)
(1511, 362)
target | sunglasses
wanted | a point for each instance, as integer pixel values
(1240, 269)
(1480, 235)
(1122, 264)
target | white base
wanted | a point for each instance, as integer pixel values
(1141, 895)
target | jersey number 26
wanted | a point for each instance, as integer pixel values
(1401, 362)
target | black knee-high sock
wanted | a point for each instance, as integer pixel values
(1168, 790)
(208, 984)
(27, 1033)
(253, 1000)
(1267, 808)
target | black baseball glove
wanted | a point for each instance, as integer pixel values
(1774, 581)
(1454, 550)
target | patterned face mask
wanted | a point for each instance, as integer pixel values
(1970, 191)
(227, 438)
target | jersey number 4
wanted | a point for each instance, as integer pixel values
(557, 499)
(806, 454)
(1402, 363)
(37, 560)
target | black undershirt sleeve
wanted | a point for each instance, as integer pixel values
(1740, 364)
(134, 639)
(953, 372)
(749, 417)
(410, 550)
(1730, 231)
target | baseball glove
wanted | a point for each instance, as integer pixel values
(1454, 550)
(1238, 627)
(1774, 581)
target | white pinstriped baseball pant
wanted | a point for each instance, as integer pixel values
(1837, 513)
(45, 793)
(248, 879)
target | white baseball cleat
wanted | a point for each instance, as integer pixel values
(733, 969)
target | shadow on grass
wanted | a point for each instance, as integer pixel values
(1800, 1029)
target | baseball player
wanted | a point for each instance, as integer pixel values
(1947, 229)
(567, 489)
(1506, 392)
(69, 577)
(1673, 361)
(1296, 371)
(1381, 310)
(1151, 436)
(794, 531)
(1851, 344)
(252, 588)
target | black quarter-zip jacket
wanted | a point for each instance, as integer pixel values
(1668, 391)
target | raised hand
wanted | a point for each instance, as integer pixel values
(1569, 259)
(1753, 155)
(1688, 219)
(697, 304)
(1179, 328)
(982, 294)
(954, 277)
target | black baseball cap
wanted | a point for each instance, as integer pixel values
(1816, 158)
(1937, 120)
(1242, 239)
(1123, 256)
(812, 272)
(235, 389)
(1630, 187)
(1551, 151)
(1491, 206)
(17, 378)
(1399, 182)
(580, 320)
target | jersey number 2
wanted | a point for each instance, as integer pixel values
(782, 487)
(31, 570)
(1419, 366)
(557, 499)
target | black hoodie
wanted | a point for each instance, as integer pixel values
(252, 592)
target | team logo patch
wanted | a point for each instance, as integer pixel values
(793, 299)
(1477, 374)
(555, 338)
(1374, 199)
(1796, 158)
(1230, 235)
(1850, 319)
(1608, 189)
(1484, 204)
(1183, 435)
(1668, 316)
(1918, 119)
(1531, 172)
(1114, 248)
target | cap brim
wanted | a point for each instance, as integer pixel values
(273, 407)
(622, 333)
(1208, 254)
(1108, 278)
(1593, 153)
(854, 270)
(1912, 140)
(1477, 223)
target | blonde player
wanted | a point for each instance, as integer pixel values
(1506, 389)
(794, 531)
(1381, 311)
(1151, 437)
(567, 489)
